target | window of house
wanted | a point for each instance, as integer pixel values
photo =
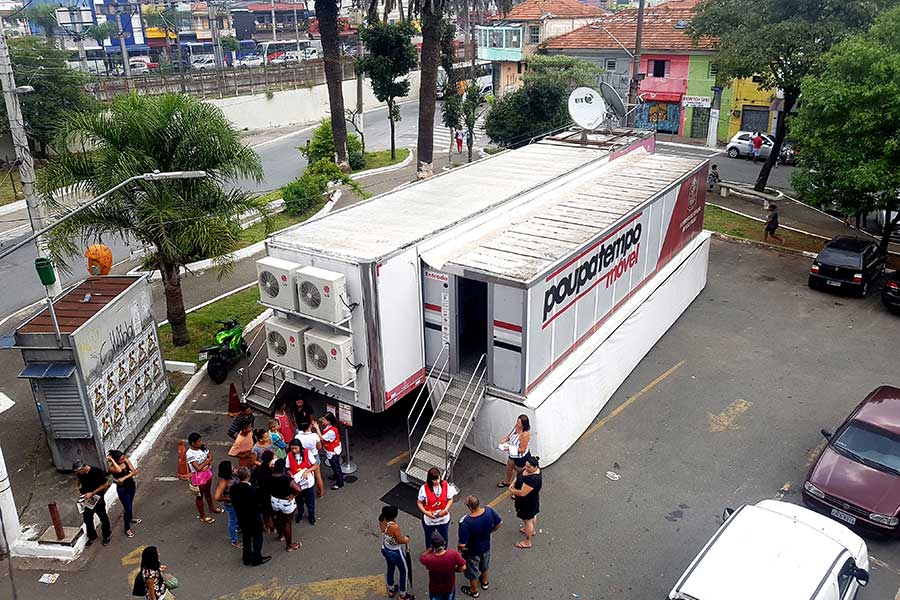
(610, 65)
(519, 67)
(513, 38)
(757, 79)
(534, 34)
(497, 38)
(659, 68)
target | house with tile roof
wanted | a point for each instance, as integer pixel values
(676, 73)
(511, 38)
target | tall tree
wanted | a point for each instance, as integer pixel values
(44, 16)
(568, 71)
(849, 125)
(327, 17)
(180, 220)
(451, 108)
(779, 41)
(100, 32)
(391, 56)
(471, 110)
(57, 89)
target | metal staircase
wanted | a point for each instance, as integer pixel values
(267, 382)
(449, 426)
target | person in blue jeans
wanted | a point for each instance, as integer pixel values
(434, 501)
(123, 473)
(227, 478)
(393, 549)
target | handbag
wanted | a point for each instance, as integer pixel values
(140, 586)
(171, 581)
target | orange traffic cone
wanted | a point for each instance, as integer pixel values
(234, 402)
(183, 472)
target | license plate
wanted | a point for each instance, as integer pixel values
(834, 283)
(203, 356)
(841, 515)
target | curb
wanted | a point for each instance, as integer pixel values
(759, 220)
(13, 207)
(762, 245)
(404, 163)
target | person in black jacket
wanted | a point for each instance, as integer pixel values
(245, 499)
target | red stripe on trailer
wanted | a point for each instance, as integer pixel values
(594, 246)
(509, 326)
(433, 307)
(408, 384)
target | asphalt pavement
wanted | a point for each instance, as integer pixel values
(724, 410)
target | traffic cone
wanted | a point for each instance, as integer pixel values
(183, 472)
(234, 402)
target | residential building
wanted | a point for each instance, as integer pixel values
(676, 73)
(513, 37)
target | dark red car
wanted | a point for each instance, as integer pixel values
(856, 479)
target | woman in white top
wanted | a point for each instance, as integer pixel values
(199, 461)
(392, 548)
(434, 500)
(516, 445)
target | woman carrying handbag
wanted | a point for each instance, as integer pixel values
(154, 582)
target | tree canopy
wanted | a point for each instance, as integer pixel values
(532, 111)
(568, 71)
(780, 42)
(58, 89)
(848, 126)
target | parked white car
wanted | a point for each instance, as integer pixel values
(742, 145)
(777, 550)
(202, 63)
(291, 56)
(251, 60)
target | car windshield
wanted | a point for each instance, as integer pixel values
(870, 446)
(840, 258)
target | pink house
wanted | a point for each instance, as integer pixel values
(663, 86)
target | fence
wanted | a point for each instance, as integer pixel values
(223, 83)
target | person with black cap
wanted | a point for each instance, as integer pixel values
(525, 493)
(442, 565)
(91, 483)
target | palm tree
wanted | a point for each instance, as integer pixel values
(44, 15)
(99, 32)
(179, 221)
(327, 13)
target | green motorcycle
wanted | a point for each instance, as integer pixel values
(229, 348)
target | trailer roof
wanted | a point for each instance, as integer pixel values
(377, 228)
(553, 226)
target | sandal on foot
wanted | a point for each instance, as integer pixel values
(129, 533)
(392, 592)
(294, 546)
(218, 511)
(520, 544)
(237, 545)
(207, 520)
(468, 591)
(501, 484)
(485, 586)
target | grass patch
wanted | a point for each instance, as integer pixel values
(382, 158)
(257, 232)
(202, 326)
(492, 150)
(722, 221)
(10, 188)
(271, 196)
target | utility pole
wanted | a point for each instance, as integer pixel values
(274, 34)
(24, 160)
(126, 66)
(213, 15)
(79, 36)
(359, 80)
(296, 28)
(635, 65)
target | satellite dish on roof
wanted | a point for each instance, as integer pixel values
(614, 101)
(587, 108)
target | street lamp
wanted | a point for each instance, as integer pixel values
(154, 176)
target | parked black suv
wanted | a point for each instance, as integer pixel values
(849, 264)
(890, 295)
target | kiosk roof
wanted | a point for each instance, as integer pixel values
(377, 228)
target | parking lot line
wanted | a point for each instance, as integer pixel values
(397, 458)
(629, 402)
(727, 419)
(493, 503)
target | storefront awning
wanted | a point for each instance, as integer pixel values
(47, 370)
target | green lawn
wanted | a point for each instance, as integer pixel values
(257, 232)
(10, 191)
(202, 324)
(271, 196)
(382, 158)
(722, 221)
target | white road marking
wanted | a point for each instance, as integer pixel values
(883, 565)
(6, 402)
(166, 478)
(201, 411)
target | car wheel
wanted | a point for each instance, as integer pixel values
(811, 283)
(733, 153)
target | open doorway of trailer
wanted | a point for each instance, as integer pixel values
(471, 322)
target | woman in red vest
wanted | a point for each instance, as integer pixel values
(434, 500)
(331, 442)
(300, 465)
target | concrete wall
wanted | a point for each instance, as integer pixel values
(296, 107)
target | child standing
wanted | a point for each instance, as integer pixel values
(277, 440)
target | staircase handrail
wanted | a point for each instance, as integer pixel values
(415, 405)
(481, 366)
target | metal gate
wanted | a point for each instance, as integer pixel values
(700, 122)
(754, 118)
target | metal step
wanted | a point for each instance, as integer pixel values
(265, 389)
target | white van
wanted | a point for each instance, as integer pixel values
(777, 550)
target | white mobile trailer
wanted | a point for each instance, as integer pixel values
(527, 263)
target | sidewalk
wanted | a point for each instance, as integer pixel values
(792, 213)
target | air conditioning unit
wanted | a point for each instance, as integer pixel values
(276, 280)
(329, 356)
(322, 294)
(284, 340)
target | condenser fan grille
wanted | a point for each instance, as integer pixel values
(317, 356)
(310, 295)
(269, 284)
(277, 343)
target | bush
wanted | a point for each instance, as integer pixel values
(357, 161)
(531, 111)
(304, 192)
(321, 145)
